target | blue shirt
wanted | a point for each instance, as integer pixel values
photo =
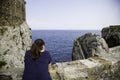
(37, 69)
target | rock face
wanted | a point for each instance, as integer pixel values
(88, 45)
(12, 12)
(14, 41)
(4, 77)
(112, 35)
(104, 67)
(15, 37)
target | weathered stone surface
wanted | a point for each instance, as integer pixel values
(11, 74)
(15, 39)
(4, 77)
(88, 45)
(12, 12)
(104, 67)
(112, 35)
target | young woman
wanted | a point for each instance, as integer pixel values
(37, 62)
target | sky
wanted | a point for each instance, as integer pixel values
(72, 14)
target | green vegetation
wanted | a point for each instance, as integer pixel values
(2, 63)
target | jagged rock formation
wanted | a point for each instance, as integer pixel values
(88, 45)
(112, 35)
(12, 12)
(14, 41)
(104, 67)
(15, 37)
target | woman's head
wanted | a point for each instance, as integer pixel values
(39, 43)
(37, 47)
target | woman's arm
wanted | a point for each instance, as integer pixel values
(49, 66)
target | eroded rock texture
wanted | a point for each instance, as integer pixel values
(12, 12)
(112, 35)
(88, 45)
(104, 67)
(15, 38)
(14, 41)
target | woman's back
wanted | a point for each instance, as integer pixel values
(37, 69)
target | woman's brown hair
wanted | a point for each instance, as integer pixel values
(37, 46)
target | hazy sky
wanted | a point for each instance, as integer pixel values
(72, 14)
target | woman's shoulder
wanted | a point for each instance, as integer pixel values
(47, 52)
(48, 55)
(27, 52)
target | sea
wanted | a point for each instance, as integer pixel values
(60, 42)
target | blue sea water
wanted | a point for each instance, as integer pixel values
(60, 42)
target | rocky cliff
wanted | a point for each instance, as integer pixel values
(12, 12)
(111, 35)
(89, 45)
(98, 61)
(15, 37)
(104, 67)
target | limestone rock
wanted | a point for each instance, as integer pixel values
(15, 38)
(88, 45)
(12, 12)
(104, 67)
(4, 77)
(112, 35)
(13, 44)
